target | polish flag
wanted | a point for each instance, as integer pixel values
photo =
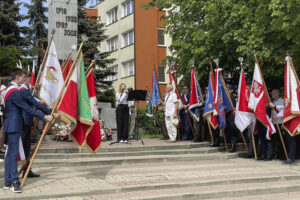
(243, 115)
(258, 97)
(32, 79)
(291, 116)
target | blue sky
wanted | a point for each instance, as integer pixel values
(23, 10)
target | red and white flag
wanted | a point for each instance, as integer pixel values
(32, 79)
(243, 115)
(258, 97)
(291, 116)
(93, 140)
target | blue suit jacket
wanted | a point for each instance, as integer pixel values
(14, 106)
(26, 95)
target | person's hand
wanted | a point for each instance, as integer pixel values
(185, 106)
(174, 115)
(56, 115)
(275, 117)
(48, 118)
(271, 105)
(42, 102)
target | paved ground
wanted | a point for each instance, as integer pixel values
(232, 179)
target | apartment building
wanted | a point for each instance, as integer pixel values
(136, 41)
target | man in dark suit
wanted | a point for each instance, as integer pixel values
(184, 114)
(13, 126)
(27, 119)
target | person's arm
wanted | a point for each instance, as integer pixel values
(21, 103)
(123, 96)
(30, 99)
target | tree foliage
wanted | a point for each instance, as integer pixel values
(37, 31)
(10, 31)
(229, 29)
(92, 33)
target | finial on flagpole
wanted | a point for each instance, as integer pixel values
(216, 60)
(254, 53)
(241, 60)
(193, 62)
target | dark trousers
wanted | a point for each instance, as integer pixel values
(291, 146)
(11, 168)
(266, 145)
(122, 114)
(26, 139)
(231, 131)
(186, 126)
(277, 145)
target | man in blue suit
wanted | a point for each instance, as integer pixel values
(13, 126)
(27, 120)
(184, 114)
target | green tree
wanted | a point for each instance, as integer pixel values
(92, 33)
(37, 32)
(10, 31)
(228, 29)
(9, 56)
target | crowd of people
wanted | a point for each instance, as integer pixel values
(180, 125)
(18, 107)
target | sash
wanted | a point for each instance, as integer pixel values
(9, 90)
(23, 87)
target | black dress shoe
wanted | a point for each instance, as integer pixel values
(215, 145)
(31, 174)
(268, 159)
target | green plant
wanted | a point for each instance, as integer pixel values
(151, 125)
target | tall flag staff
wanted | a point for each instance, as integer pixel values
(48, 125)
(269, 100)
(182, 100)
(291, 117)
(156, 97)
(243, 116)
(41, 69)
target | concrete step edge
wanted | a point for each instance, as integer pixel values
(200, 195)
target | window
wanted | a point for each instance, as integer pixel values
(112, 44)
(128, 7)
(128, 38)
(161, 37)
(128, 68)
(113, 77)
(112, 16)
(161, 74)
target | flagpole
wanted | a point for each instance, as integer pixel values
(90, 67)
(187, 115)
(41, 69)
(253, 141)
(244, 140)
(48, 124)
(225, 141)
(208, 124)
(269, 99)
(165, 127)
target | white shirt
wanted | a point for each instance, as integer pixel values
(121, 98)
(170, 100)
(279, 103)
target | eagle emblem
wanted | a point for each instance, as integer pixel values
(256, 89)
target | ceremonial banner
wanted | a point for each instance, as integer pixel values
(243, 115)
(32, 79)
(155, 90)
(209, 103)
(196, 96)
(67, 68)
(93, 139)
(223, 103)
(258, 98)
(291, 116)
(52, 78)
(84, 120)
(149, 108)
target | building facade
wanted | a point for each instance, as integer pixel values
(136, 41)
